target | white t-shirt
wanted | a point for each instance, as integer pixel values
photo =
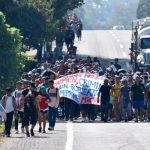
(9, 104)
(17, 94)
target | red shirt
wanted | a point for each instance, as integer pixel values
(43, 104)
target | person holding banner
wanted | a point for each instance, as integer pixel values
(104, 95)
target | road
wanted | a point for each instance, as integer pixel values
(84, 136)
(90, 136)
(106, 44)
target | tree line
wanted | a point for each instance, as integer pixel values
(143, 9)
(27, 24)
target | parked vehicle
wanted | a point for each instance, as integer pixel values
(140, 44)
(119, 27)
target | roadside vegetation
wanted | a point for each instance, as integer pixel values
(143, 9)
(26, 24)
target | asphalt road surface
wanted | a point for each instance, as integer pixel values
(107, 45)
(84, 136)
(90, 136)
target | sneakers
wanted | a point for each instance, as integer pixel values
(28, 134)
(84, 119)
(44, 131)
(71, 119)
(16, 132)
(32, 132)
(8, 135)
(50, 128)
(40, 129)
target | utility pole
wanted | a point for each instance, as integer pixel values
(136, 49)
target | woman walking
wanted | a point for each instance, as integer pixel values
(43, 108)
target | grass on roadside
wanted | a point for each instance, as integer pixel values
(1, 130)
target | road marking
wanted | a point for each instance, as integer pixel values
(121, 46)
(69, 143)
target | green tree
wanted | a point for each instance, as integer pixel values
(143, 9)
(37, 20)
(10, 48)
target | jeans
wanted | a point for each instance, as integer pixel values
(20, 115)
(124, 109)
(104, 111)
(116, 109)
(52, 113)
(69, 108)
(8, 122)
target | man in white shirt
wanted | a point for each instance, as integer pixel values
(8, 102)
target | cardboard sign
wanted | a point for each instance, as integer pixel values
(82, 88)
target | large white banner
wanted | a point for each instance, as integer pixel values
(82, 88)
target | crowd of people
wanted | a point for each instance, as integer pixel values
(124, 96)
(65, 35)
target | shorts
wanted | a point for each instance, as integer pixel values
(30, 117)
(138, 104)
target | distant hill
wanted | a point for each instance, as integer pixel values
(104, 14)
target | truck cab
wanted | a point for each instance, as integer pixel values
(141, 43)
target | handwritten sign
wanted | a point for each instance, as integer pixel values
(82, 88)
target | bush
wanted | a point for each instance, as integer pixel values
(26, 63)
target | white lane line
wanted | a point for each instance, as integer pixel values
(118, 40)
(121, 46)
(69, 143)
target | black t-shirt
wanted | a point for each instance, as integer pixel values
(30, 100)
(105, 93)
(137, 91)
(117, 66)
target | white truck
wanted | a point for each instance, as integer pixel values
(140, 44)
